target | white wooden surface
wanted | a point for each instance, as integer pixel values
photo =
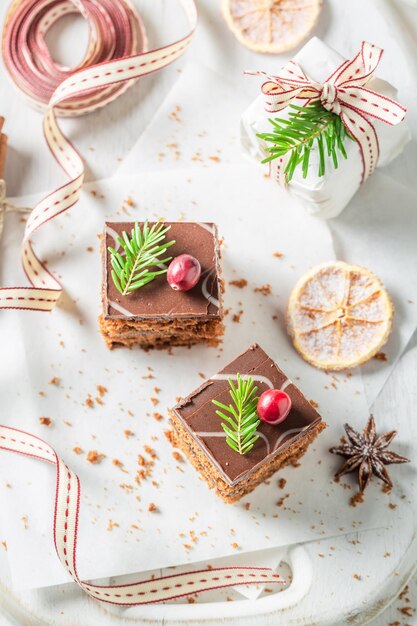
(354, 577)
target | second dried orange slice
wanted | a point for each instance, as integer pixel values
(339, 315)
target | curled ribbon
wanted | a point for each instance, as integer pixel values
(116, 57)
(66, 514)
(344, 94)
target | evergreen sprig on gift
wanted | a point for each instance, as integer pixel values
(241, 417)
(142, 252)
(296, 137)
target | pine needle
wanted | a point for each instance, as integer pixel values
(240, 418)
(296, 137)
(144, 250)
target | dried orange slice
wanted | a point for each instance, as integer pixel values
(339, 315)
(271, 25)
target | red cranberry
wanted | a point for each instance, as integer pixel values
(184, 272)
(274, 406)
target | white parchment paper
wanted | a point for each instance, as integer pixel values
(381, 217)
(117, 532)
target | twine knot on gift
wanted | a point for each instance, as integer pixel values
(343, 93)
(328, 98)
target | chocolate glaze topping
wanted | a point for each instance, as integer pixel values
(157, 299)
(198, 414)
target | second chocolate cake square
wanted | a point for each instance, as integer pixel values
(155, 315)
(199, 432)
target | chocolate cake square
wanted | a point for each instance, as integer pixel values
(155, 315)
(197, 431)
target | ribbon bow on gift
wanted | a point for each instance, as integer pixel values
(344, 94)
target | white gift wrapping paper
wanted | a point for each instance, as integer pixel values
(117, 533)
(324, 196)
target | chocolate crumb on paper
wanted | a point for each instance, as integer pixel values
(240, 283)
(265, 290)
(101, 390)
(95, 457)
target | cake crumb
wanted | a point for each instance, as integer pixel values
(89, 249)
(177, 456)
(54, 381)
(158, 416)
(174, 115)
(101, 390)
(95, 457)
(128, 433)
(4, 544)
(381, 356)
(24, 519)
(281, 501)
(278, 255)
(117, 463)
(152, 508)
(112, 525)
(235, 545)
(240, 283)
(406, 610)
(357, 576)
(236, 317)
(358, 498)
(89, 402)
(169, 436)
(265, 290)
(45, 421)
(152, 453)
(281, 483)
(314, 404)
(404, 592)
(78, 450)
(154, 401)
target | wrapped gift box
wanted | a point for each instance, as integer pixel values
(325, 196)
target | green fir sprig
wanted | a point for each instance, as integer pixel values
(296, 137)
(241, 417)
(144, 250)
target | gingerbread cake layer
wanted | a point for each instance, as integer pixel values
(156, 316)
(151, 334)
(197, 429)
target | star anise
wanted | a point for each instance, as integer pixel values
(368, 452)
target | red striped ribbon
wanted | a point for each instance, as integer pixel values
(65, 530)
(117, 56)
